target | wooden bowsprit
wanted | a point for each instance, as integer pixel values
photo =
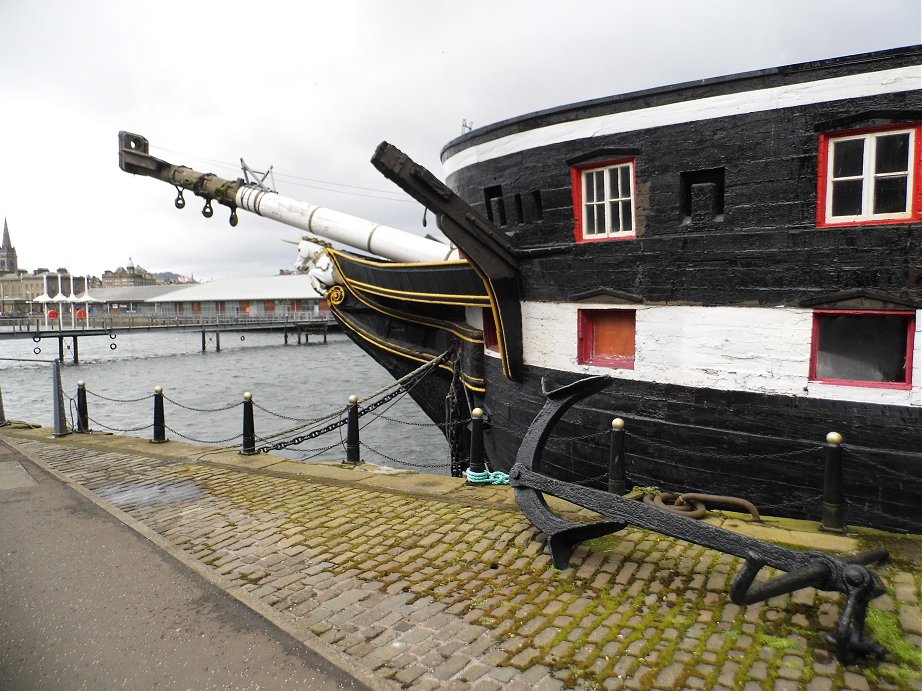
(847, 575)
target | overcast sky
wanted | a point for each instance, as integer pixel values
(312, 88)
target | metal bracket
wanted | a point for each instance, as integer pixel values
(803, 569)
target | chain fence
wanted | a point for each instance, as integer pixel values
(289, 437)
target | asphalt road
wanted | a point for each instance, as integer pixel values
(87, 603)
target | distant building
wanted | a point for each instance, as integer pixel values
(8, 262)
(269, 296)
(130, 276)
(23, 293)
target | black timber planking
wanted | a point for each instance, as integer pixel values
(762, 447)
(766, 249)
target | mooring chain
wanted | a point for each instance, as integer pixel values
(591, 435)
(328, 428)
(229, 406)
(406, 463)
(727, 456)
(313, 453)
(278, 446)
(120, 400)
(399, 387)
(116, 429)
(381, 416)
(286, 417)
(555, 438)
(203, 441)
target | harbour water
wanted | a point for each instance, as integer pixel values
(300, 382)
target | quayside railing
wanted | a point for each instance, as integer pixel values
(72, 414)
(75, 415)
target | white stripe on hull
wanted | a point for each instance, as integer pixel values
(753, 349)
(790, 96)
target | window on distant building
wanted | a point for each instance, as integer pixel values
(603, 200)
(870, 176)
(863, 348)
(606, 338)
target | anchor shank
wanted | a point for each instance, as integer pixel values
(643, 516)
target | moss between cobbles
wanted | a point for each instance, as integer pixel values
(906, 667)
(640, 612)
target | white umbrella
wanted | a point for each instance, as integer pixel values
(44, 298)
(60, 298)
(86, 298)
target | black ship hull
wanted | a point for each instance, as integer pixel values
(768, 449)
(744, 300)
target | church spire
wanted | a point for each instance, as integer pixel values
(8, 262)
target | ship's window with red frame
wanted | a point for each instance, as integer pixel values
(603, 200)
(606, 338)
(870, 176)
(863, 348)
(490, 341)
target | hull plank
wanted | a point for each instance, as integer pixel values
(764, 448)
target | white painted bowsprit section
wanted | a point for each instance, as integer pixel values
(383, 241)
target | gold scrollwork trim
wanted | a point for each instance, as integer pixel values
(336, 295)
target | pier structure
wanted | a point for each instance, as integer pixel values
(299, 327)
(286, 302)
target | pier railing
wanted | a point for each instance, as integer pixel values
(38, 323)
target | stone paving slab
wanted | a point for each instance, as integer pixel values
(429, 584)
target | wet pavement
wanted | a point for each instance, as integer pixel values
(87, 603)
(420, 582)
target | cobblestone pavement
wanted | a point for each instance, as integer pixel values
(437, 593)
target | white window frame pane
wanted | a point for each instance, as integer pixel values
(612, 194)
(869, 177)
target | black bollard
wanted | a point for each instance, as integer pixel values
(249, 429)
(159, 421)
(616, 465)
(477, 465)
(83, 416)
(3, 420)
(60, 418)
(833, 495)
(352, 432)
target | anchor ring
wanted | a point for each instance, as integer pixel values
(665, 501)
(36, 339)
(112, 335)
(243, 338)
(113, 346)
(36, 349)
